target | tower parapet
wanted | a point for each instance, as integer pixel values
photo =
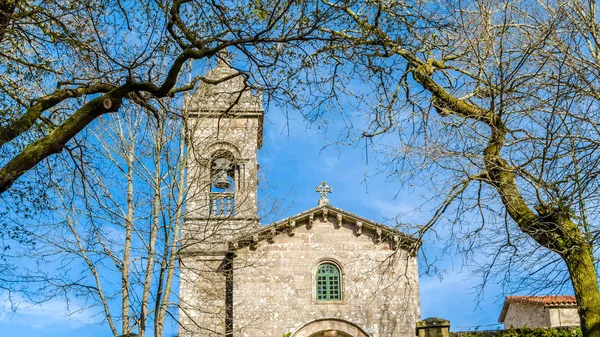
(224, 90)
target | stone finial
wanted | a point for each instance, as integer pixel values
(323, 190)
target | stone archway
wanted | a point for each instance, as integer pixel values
(330, 333)
(330, 327)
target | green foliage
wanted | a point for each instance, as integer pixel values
(523, 332)
(287, 334)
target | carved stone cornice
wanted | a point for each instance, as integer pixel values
(360, 226)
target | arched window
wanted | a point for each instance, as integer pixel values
(328, 283)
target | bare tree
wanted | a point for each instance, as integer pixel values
(116, 235)
(495, 105)
(112, 234)
(499, 96)
(115, 238)
(66, 64)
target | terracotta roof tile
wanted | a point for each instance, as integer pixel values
(545, 301)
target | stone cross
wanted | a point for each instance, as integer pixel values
(323, 189)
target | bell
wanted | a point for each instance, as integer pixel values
(221, 180)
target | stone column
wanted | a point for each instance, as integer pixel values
(433, 327)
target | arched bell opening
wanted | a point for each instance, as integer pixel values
(223, 183)
(222, 175)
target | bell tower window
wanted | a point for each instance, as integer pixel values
(223, 184)
(223, 175)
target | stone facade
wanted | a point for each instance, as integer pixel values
(239, 279)
(275, 283)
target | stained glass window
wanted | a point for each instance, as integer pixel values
(328, 283)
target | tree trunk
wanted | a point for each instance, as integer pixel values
(550, 226)
(580, 262)
(129, 219)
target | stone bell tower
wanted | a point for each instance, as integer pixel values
(225, 123)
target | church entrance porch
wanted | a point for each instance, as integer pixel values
(330, 327)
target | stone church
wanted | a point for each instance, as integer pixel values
(322, 272)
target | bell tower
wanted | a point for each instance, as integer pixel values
(225, 123)
(224, 127)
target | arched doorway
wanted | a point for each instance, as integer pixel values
(330, 327)
(330, 333)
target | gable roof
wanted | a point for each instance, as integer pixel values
(360, 226)
(542, 301)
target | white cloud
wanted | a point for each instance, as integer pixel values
(54, 313)
(391, 208)
(404, 209)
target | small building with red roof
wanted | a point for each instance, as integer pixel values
(539, 311)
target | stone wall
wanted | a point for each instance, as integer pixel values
(274, 285)
(526, 315)
(204, 237)
(202, 297)
(564, 317)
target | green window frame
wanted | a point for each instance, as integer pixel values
(328, 283)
